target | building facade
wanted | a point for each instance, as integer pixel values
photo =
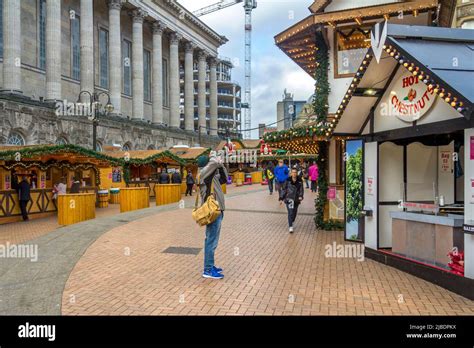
(228, 99)
(132, 51)
(287, 110)
(464, 15)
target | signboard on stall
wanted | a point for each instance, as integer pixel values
(331, 193)
(472, 148)
(472, 191)
(8, 182)
(410, 98)
(370, 185)
(445, 161)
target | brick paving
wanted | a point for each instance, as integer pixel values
(267, 270)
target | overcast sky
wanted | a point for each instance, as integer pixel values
(272, 70)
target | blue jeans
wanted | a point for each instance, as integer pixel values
(210, 244)
(292, 208)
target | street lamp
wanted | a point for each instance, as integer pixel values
(95, 105)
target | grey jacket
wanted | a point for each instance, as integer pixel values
(212, 168)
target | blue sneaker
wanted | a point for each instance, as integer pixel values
(213, 274)
(217, 269)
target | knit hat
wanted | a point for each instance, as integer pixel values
(202, 161)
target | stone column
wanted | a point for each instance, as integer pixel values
(157, 70)
(213, 96)
(53, 50)
(174, 80)
(87, 48)
(12, 46)
(138, 16)
(115, 56)
(202, 91)
(189, 87)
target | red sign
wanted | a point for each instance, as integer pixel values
(331, 193)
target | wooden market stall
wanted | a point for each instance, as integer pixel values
(142, 168)
(189, 155)
(43, 166)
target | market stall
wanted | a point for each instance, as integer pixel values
(43, 167)
(417, 145)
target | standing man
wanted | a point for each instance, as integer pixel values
(292, 193)
(281, 174)
(313, 176)
(164, 177)
(176, 178)
(24, 197)
(211, 176)
(270, 176)
(189, 183)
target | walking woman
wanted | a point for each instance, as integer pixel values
(292, 193)
(189, 183)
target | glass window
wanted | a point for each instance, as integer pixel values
(127, 67)
(352, 45)
(104, 58)
(165, 82)
(42, 33)
(61, 141)
(146, 75)
(126, 147)
(76, 47)
(16, 139)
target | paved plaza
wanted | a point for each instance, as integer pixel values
(149, 262)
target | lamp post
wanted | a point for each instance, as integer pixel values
(94, 106)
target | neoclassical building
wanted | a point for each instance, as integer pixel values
(128, 52)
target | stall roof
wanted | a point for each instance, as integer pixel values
(48, 152)
(299, 41)
(189, 154)
(430, 49)
(246, 144)
(139, 157)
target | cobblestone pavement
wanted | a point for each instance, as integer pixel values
(267, 270)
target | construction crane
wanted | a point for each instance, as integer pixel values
(249, 5)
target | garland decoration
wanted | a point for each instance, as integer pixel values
(321, 200)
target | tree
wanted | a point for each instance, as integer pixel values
(354, 186)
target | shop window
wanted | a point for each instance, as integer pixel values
(351, 45)
(16, 139)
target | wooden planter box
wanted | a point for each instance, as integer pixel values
(256, 177)
(74, 208)
(167, 193)
(134, 198)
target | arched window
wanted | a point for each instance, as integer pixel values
(99, 146)
(15, 139)
(151, 147)
(61, 141)
(126, 147)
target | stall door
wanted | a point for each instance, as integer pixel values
(354, 190)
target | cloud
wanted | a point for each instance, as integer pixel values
(272, 70)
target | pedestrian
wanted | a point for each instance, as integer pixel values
(313, 173)
(164, 177)
(61, 187)
(189, 183)
(24, 197)
(211, 176)
(305, 174)
(270, 176)
(176, 178)
(292, 193)
(76, 185)
(281, 174)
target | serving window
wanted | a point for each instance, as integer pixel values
(351, 45)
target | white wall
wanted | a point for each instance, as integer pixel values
(468, 206)
(370, 170)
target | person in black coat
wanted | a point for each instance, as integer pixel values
(189, 183)
(164, 178)
(76, 186)
(292, 193)
(176, 178)
(24, 197)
